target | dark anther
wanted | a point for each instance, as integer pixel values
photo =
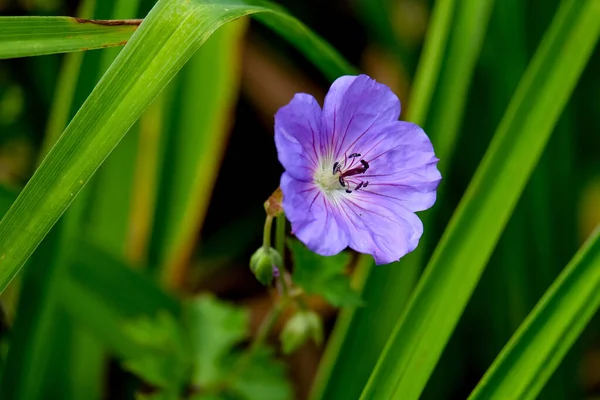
(365, 164)
(342, 182)
(365, 184)
(348, 191)
(335, 167)
(359, 186)
(354, 155)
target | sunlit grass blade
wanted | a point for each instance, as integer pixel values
(541, 342)
(44, 334)
(199, 127)
(110, 222)
(167, 38)
(431, 60)
(460, 257)
(35, 36)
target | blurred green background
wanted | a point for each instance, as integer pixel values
(180, 199)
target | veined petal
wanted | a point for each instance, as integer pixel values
(353, 106)
(403, 166)
(298, 136)
(383, 229)
(312, 216)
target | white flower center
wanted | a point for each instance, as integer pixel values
(332, 177)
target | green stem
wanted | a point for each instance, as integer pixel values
(280, 238)
(267, 232)
(285, 291)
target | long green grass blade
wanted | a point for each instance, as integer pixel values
(167, 38)
(198, 132)
(35, 36)
(459, 259)
(431, 60)
(44, 334)
(541, 342)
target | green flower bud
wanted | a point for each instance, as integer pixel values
(301, 327)
(262, 263)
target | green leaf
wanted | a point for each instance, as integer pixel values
(304, 325)
(34, 36)
(101, 293)
(460, 257)
(167, 38)
(165, 361)
(214, 328)
(324, 276)
(537, 348)
(264, 379)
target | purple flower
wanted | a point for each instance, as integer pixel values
(355, 175)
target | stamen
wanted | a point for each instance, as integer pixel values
(346, 173)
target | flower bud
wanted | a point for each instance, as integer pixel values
(301, 327)
(273, 205)
(262, 263)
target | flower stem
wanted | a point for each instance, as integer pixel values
(280, 238)
(267, 232)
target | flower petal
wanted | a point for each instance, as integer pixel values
(384, 229)
(298, 136)
(312, 217)
(402, 165)
(353, 105)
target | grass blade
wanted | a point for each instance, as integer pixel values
(537, 348)
(36, 36)
(198, 132)
(167, 38)
(460, 257)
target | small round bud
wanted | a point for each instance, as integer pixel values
(262, 263)
(301, 327)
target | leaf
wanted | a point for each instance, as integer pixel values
(539, 345)
(165, 361)
(304, 325)
(34, 36)
(167, 38)
(323, 275)
(214, 328)
(264, 379)
(459, 259)
(101, 293)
